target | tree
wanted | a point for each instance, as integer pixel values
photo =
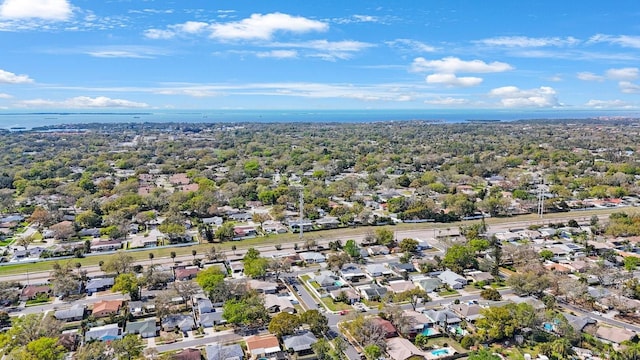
(225, 232)
(336, 261)
(278, 265)
(24, 241)
(372, 352)
(63, 230)
(260, 218)
(322, 349)
(483, 354)
(546, 254)
(194, 253)
(529, 283)
(352, 249)
(41, 217)
(64, 281)
(283, 324)
(631, 263)
(44, 348)
(31, 327)
(210, 278)
(186, 289)
(384, 236)
(318, 323)
(413, 296)
(88, 219)
(502, 322)
(96, 350)
(479, 245)
(119, 263)
(127, 283)
(408, 245)
(248, 311)
(256, 268)
(151, 256)
(129, 347)
(174, 231)
(490, 294)
(173, 256)
(459, 257)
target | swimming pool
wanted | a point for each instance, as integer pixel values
(429, 331)
(548, 326)
(439, 352)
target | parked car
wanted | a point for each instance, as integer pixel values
(344, 312)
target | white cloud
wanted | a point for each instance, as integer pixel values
(328, 50)
(451, 80)
(192, 27)
(447, 101)
(628, 87)
(53, 10)
(513, 97)
(5, 96)
(410, 45)
(523, 41)
(159, 34)
(366, 18)
(262, 27)
(621, 40)
(589, 76)
(7, 77)
(278, 54)
(601, 104)
(82, 102)
(132, 52)
(193, 92)
(623, 74)
(454, 65)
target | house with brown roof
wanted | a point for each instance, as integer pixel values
(187, 354)
(31, 292)
(614, 335)
(106, 308)
(186, 273)
(389, 329)
(263, 345)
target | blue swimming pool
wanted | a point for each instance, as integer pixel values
(429, 331)
(440, 352)
(548, 326)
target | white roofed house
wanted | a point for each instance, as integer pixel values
(300, 343)
(379, 270)
(452, 279)
(312, 257)
(277, 304)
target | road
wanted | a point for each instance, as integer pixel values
(221, 338)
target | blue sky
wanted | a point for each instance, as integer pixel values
(356, 54)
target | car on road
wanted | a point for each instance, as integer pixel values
(344, 312)
(332, 334)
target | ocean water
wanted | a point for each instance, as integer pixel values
(30, 120)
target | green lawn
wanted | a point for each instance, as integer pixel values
(445, 341)
(334, 306)
(448, 293)
(6, 242)
(39, 301)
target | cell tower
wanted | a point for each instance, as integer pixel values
(541, 198)
(301, 212)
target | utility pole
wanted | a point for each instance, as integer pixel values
(301, 212)
(540, 199)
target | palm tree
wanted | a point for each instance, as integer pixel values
(233, 248)
(151, 256)
(173, 257)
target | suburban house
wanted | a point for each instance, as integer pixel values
(31, 292)
(211, 319)
(379, 270)
(418, 321)
(145, 328)
(99, 284)
(265, 287)
(469, 312)
(373, 292)
(108, 332)
(263, 345)
(428, 284)
(328, 223)
(352, 272)
(312, 257)
(187, 354)
(204, 306)
(452, 279)
(276, 304)
(273, 227)
(614, 335)
(327, 280)
(106, 308)
(178, 321)
(105, 245)
(402, 268)
(378, 250)
(403, 349)
(75, 313)
(300, 343)
(389, 330)
(399, 286)
(224, 352)
(187, 273)
(443, 318)
(480, 276)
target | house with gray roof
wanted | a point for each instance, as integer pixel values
(379, 270)
(99, 284)
(108, 332)
(312, 257)
(224, 352)
(145, 328)
(373, 291)
(428, 284)
(452, 279)
(204, 306)
(75, 313)
(300, 343)
(211, 319)
(443, 317)
(182, 322)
